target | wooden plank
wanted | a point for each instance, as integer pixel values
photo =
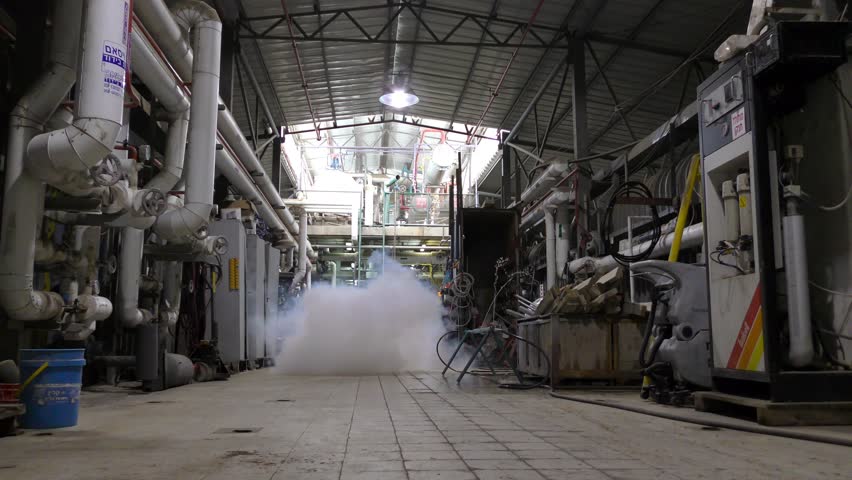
(775, 414)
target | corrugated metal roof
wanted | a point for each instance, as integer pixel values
(350, 76)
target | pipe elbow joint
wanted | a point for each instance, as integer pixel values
(25, 304)
(75, 148)
(185, 224)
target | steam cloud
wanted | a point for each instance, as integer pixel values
(389, 326)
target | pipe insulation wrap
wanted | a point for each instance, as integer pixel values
(100, 98)
(23, 194)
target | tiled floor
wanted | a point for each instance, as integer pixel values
(395, 427)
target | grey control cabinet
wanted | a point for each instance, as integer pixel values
(228, 327)
(255, 298)
(273, 264)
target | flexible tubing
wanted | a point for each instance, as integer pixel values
(810, 437)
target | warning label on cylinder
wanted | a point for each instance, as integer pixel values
(114, 66)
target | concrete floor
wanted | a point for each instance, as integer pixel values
(407, 427)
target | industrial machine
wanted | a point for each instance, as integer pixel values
(677, 361)
(763, 341)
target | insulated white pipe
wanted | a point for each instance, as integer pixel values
(302, 272)
(172, 278)
(57, 156)
(162, 26)
(693, 236)
(550, 247)
(24, 195)
(129, 275)
(798, 294)
(163, 86)
(333, 274)
(190, 222)
(563, 239)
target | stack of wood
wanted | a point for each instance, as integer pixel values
(600, 293)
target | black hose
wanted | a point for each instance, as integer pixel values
(632, 190)
(810, 437)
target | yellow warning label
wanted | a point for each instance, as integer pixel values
(743, 202)
(234, 274)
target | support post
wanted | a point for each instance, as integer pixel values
(581, 136)
(277, 144)
(506, 192)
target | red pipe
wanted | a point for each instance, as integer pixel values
(132, 152)
(506, 70)
(299, 65)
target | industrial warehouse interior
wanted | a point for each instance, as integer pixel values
(425, 239)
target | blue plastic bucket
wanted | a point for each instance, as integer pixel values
(53, 397)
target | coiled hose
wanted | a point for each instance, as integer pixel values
(630, 189)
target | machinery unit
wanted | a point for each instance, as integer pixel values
(273, 265)
(762, 339)
(228, 313)
(678, 360)
(255, 295)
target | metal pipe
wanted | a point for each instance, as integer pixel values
(801, 351)
(267, 112)
(550, 247)
(24, 195)
(129, 275)
(305, 86)
(563, 239)
(333, 266)
(161, 25)
(172, 278)
(190, 222)
(55, 156)
(302, 272)
(496, 89)
(693, 236)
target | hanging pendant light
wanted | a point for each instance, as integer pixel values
(398, 97)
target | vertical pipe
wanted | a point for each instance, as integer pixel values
(459, 212)
(452, 223)
(798, 297)
(506, 172)
(550, 247)
(563, 239)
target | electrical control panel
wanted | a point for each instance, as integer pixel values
(725, 98)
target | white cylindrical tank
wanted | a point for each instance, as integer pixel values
(744, 192)
(732, 211)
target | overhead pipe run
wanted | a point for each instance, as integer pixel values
(24, 195)
(160, 24)
(190, 222)
(693, 236)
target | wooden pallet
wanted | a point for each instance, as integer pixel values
(775, 414)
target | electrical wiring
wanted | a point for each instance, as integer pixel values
(461, 287)
(828, 290)
(630, 189)
(833, 208)
(718, 258)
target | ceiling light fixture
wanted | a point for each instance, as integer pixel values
(399, 97)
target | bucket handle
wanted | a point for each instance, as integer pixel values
(35, 374)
